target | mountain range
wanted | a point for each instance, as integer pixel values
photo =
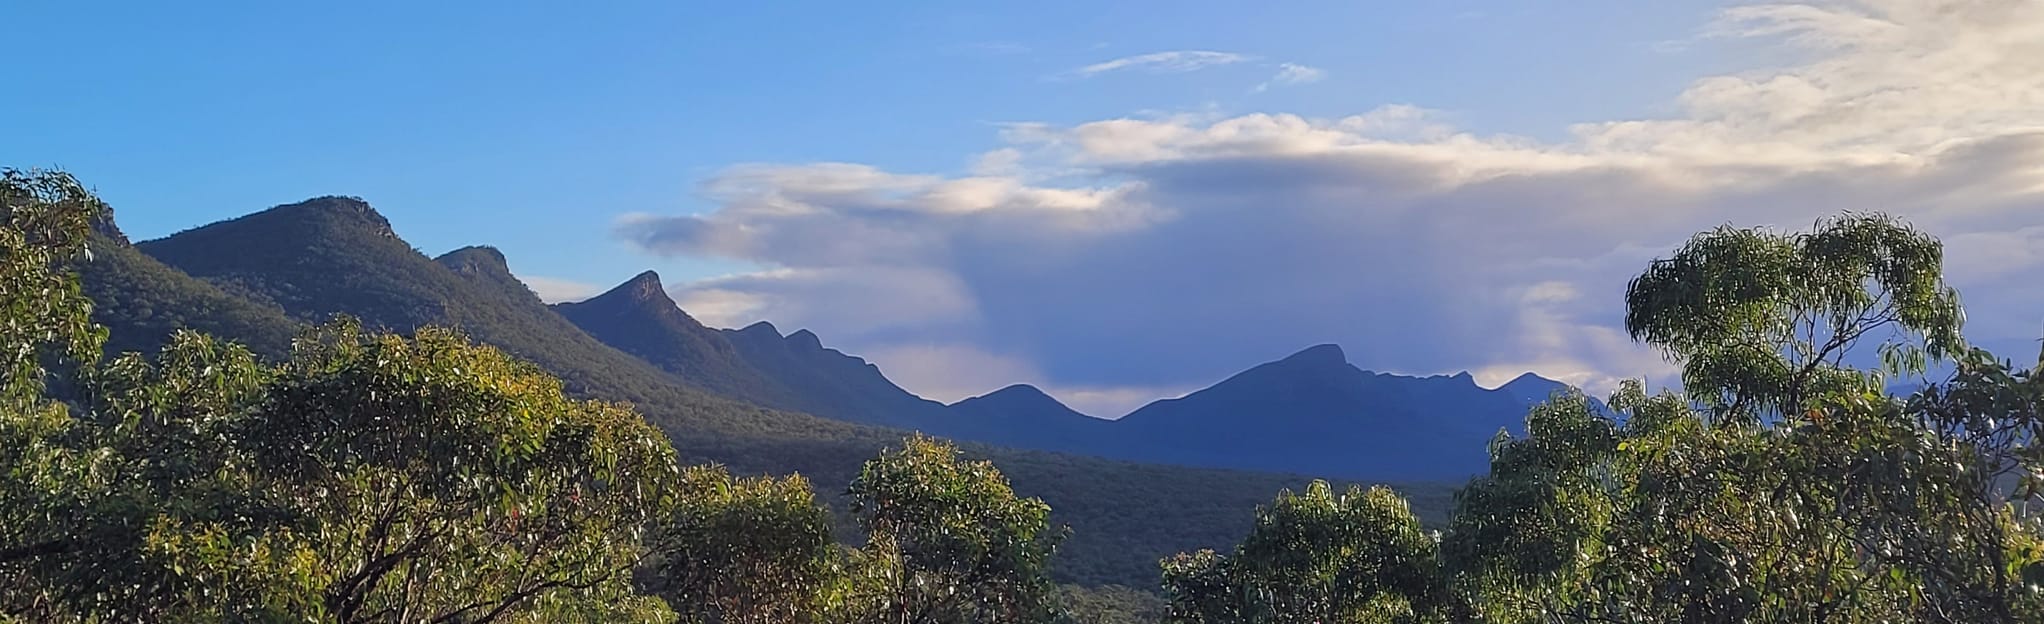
(1312, 412)
(762, 401)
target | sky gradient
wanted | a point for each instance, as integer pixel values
(1115, 203)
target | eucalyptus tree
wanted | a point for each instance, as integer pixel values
(1317, 557)
(1786, 486)
(1762, 322)
(745, 550)
(949, 540)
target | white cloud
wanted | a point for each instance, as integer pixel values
(1172, 62)
(556, 290)
(1168, 252)
(1292, 74)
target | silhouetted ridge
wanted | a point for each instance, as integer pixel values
(1315, 413)
(805, 340)
(1019, 395)
(1319, 355)
(642, 294)
(829, 382)
(637, 317)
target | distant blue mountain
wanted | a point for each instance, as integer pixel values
(1311, 413)
(1316, 413)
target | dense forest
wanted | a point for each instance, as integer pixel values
(370, 473)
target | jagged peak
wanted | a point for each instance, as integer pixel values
(642, 291)
(646, 287)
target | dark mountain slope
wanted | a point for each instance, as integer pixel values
(142, 301)
(1022, 415)
(335, 255)
(486, 265)
(638, 317)
(1311, 413)
(832, 383)
(1315, 413)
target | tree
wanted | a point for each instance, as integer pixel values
(1317, 557)
(950, 540)
(1793, 489)
(1761, 321)
(745, 551)
(45, 219)
(433, 479)
(374, 478)
(1525, 537)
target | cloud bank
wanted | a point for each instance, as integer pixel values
(1126, 257)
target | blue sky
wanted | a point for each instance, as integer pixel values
(945, 188)
(528, 125)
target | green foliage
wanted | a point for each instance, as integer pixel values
(1786, 488)
(1317, 557)
(1761, 320)
(43, 318)
(969, 549)
(438, 477)
(737, 551)
(1845, 505)
(373, 478)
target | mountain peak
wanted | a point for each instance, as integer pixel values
(760, 328)
(1319, 355)
(477, 258)
(641, 296)
(646, 287)
(1528, 378)
(339, 208)
(1020, 390)
(1017, 401)
(805, 339)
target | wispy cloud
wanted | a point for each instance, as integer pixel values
(1292, 74)
(1172, 62)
